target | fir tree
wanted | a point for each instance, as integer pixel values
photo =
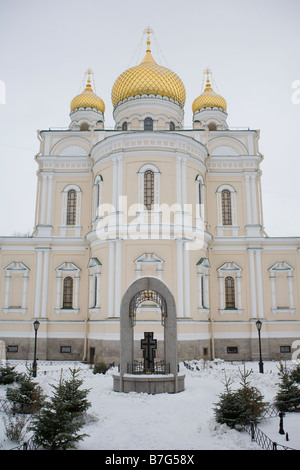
(27, 397)
(58, 424)
(238, 407)
(8, 374)
(228, 410)
(68, 392)
(288, 396)
(251, 400)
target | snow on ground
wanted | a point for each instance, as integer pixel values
(183, 421)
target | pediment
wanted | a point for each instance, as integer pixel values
(281, 266)
(16, 266)
(70, 267)
(229, 267)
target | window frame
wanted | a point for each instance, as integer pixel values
(148, 124)
(68, 293)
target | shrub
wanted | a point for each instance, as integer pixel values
(100, 368)
(16, 427)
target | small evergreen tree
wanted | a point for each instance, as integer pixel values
(295, 374)
(288, 395)
(58, 424)
(251, 400)
(27, 397)
(238, 407)
(100, 368)
(68, 392)
(8, 374)
(228, 410)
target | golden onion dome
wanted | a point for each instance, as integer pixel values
(88, 99)
(148, 78)
(209, 99)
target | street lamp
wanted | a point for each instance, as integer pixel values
(261, 365)
(36, 325)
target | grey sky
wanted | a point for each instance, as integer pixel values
(251, 47)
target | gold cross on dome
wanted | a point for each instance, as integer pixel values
(148, 31)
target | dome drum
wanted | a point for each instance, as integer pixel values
(161, 111)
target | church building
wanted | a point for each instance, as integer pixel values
(149, 198)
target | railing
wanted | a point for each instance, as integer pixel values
(137, 367)
(262, 439)
(5, 406)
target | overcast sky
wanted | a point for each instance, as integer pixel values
(253, 49)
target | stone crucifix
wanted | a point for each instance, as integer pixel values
(148, 345)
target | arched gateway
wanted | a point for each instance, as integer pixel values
(150, 379)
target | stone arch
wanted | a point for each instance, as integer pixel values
(158, 287)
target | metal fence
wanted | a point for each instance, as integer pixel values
(137, 367)
(258, 436)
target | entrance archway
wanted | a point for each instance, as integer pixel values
(125, 381)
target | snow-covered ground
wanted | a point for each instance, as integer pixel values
(183, 421)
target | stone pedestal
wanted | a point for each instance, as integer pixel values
(151, 384)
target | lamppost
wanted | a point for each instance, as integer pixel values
(36, 325)
(261, 365)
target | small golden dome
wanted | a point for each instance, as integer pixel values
(209, 99)
(88, 99)
(148, 78)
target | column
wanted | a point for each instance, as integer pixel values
(38, 283)
(183, 182)
(58, 291)
(178, 181)
(252, 283)
(290, 280)
(248, 202)
(187, 309)
(111, 277)
(254, 198)
(25, 285)
(179, 278)
(44, 195)
(206, 290)
(45, 283)
(120, 180)
(7, 285)
(49, 204)
(114, 185)
(272, 277)
(91, 290)
(76, 291)
(200, 275)
(97, 279)
(118, 275)
(259, 284)
(239, 292)
(221, 289)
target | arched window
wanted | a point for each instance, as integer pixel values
(148, 124)
(172, 126)
(124, 126)
(229, 292)
(84, 126)
(226, 207)
(97, 195)
(71, 207)
(148, 189)
(68, 292)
